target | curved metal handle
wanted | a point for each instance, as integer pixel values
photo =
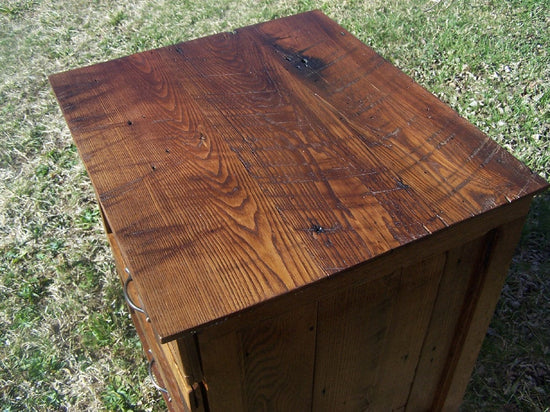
(129, 300)
(153, 379)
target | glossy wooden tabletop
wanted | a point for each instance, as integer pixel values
(239, 167)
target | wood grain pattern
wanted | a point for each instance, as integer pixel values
(186, 352)
(439, 344)
(240, 167)
(483, 296)
(467, 296)
(222, 363)
(369, 340)
(265, 367)
(413, 307)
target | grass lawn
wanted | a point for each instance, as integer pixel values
(66, 341)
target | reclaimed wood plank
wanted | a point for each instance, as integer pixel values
(369, 340)
(413, 308)
(222, 366)
(439, 342)
(266, 367)
(475, 317)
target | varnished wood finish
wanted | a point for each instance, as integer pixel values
(245, 165)
(306, 227)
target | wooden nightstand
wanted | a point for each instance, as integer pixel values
(297, 224)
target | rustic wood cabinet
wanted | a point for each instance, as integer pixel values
(296, 223)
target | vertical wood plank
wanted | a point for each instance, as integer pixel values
(278, 362)
(266, 367)
(350, 337)
(411, 314)
(477, 315)
(186, 350)
(182, 360)
(459, 268)
(222, 371)
(369, 340)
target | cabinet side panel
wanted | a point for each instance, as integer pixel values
(265, 367)
(222, 372)
(369, 339)
(350, 339)
(410, 318)
(278, 362)
(477, 315)
(439, 342)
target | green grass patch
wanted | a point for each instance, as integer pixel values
(66, 339)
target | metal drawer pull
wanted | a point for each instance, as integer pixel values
(153, 379)
(128, 299)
